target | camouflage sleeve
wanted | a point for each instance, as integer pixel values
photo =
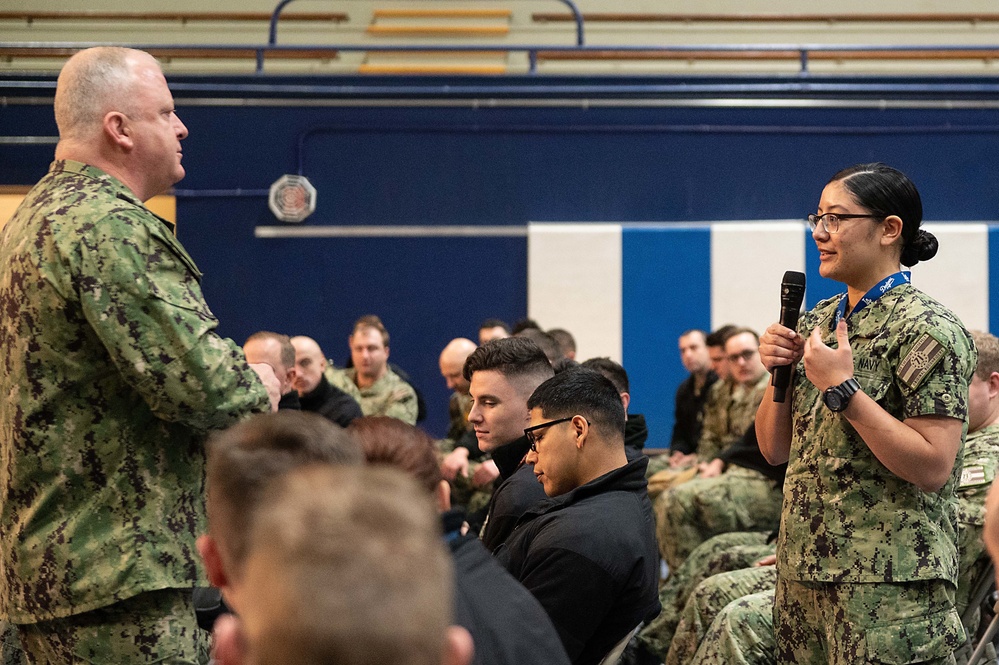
(141, 295)
(935, 369)
(402, 404)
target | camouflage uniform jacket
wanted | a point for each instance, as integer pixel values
(388, 396)
(728, 412)
(846, 518)
(112, 375)
(981, 460)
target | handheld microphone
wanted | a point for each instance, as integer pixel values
(792, 292)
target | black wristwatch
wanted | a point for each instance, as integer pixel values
(837, 398)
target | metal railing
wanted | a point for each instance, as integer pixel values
(804, 53)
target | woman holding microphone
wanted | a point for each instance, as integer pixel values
(867, 556)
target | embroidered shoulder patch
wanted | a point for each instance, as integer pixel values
(972, 476)
(922, 357)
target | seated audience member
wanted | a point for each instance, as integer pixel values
(315, 392)
(277, 351)
(588, 554)
(344, 565)
(545, 342)
(636, 432)
(451, 363)
(469, 471)
(566, 342)
(507, 624)
(691, 395)
(377, 388)
(242, 460)
(728, 414)
(719, 554)
(502, 375)
(665, 472)
(742, 628)
(493, 329)
(738, 492)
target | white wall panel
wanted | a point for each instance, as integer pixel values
(748, 262)
(574, 282)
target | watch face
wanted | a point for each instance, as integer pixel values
(833, 400)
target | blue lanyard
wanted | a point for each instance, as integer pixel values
(878, 290)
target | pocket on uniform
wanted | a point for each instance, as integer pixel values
(915, 641)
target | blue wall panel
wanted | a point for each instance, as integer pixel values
(660, 301)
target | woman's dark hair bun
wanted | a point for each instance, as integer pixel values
(922, 248)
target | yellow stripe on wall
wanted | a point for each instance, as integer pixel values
(164, 205)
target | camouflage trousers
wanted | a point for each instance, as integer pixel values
(741, 634)
(709, 598)
(843, 624)
(722, 553)
(738, 500)
(153, 627)
(10, 645)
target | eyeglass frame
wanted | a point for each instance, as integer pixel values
(742, 355)
(529, 431)
(813, 220)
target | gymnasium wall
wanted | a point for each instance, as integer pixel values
(435, 208)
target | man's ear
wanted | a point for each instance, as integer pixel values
(458, 646)
(209, 551)
(993, 384)
(582, 430)
(626, 400)
(117, 128)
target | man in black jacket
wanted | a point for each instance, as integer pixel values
(588, 553)
(315, 391)
(502, 374)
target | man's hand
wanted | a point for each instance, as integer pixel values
(679, 460)
(270, 381)
(711, 469)
(454, 463)
(769, 560)
(485, 474)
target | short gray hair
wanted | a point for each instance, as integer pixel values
(91, 83)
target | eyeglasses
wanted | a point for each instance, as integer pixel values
(830, 220)
(533, 438)
(745, 355)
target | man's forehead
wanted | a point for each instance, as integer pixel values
(741, 341)
(366, 336)
(306, 349)
(492, 381)
(692, 339)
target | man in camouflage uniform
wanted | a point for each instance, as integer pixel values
(721, 553)
(112, 375)
(679, 466)
(743, 631)
(720, 499)
(379, 390)
(470, 471)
